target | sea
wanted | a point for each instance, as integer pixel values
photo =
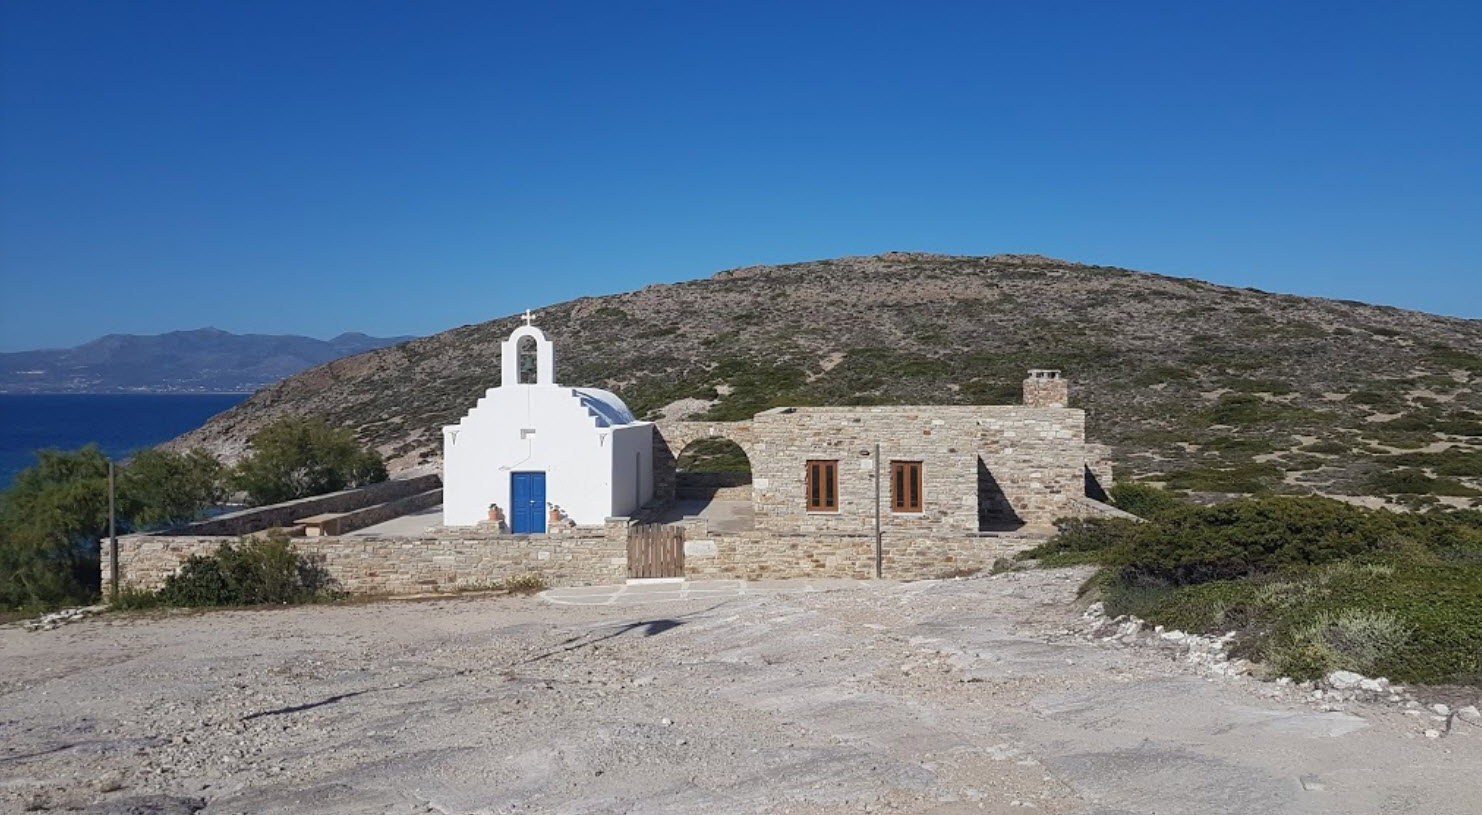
(118, 423)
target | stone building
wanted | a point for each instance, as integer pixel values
(531, 451)
(941, 469)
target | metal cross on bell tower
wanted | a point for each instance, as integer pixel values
(528, 317)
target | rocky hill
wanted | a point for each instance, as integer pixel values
(1205, 387)
(206, 359)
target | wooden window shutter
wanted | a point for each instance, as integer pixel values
(822, 486)
(905, 486)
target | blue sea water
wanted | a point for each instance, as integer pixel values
(118, 423)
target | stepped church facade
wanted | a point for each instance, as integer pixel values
(531, 452)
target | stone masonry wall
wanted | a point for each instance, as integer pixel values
(1036, 457)
(467, 558)
(1032, 459)
(757, 556)
(584, 556)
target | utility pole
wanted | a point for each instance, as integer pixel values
(112, 538)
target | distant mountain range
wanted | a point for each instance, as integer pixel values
(203, 360)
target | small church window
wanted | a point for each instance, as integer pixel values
(823, 486)
(526, 360)
(905, 486)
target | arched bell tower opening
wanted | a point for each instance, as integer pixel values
(527, 363)
(527, 357)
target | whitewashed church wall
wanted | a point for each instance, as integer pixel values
(496, 439)
(632, 468)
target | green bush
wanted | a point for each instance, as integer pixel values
(1143, 500)
(1311, 585)
(296, 458)
(1405, 481)
(1242, 538)
(1243, 479)
(249, 572)
(1083, 540)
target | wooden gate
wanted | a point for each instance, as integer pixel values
(656, 550)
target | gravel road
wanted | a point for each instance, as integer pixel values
(935, 697)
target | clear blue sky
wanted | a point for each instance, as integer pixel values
(401, 167)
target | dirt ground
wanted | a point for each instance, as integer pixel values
(936, 697)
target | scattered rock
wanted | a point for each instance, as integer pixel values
(1344, 680)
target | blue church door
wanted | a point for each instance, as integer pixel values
(527, 503)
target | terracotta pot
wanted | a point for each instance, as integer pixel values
(496, 515)
(555, 516)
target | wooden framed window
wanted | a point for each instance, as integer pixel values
(905, 486)
(822, 486)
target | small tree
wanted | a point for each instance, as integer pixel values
(296, 458)
(50, 522)
(161, 488)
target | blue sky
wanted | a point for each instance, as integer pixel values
(398, 167)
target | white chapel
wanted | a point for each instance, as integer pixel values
(531, 450)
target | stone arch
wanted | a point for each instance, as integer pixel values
(670, 439)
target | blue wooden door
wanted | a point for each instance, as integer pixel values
(527, 503)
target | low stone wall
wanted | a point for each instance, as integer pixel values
(1091, 508)
(760, 555)
(364, 564)
(449, 559)
(259, 518)
(380, 513)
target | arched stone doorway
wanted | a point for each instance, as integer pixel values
(712, 481)
(703, 469)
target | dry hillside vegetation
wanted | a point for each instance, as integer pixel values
(1205, 387)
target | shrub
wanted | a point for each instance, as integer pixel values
(527, 583)
(1326, 447)
(1143, 500)
(249, 572)
(1246, 479)
(296, 458)
(1405, 481)
(1082, 540)
(1241, 538)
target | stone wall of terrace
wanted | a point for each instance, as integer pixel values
(906, 556)
(257, 519)
(445, 560)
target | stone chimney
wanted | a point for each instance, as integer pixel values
(1046, 389)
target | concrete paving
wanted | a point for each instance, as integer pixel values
(645, 592)
(407, 526)
(722, 516)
